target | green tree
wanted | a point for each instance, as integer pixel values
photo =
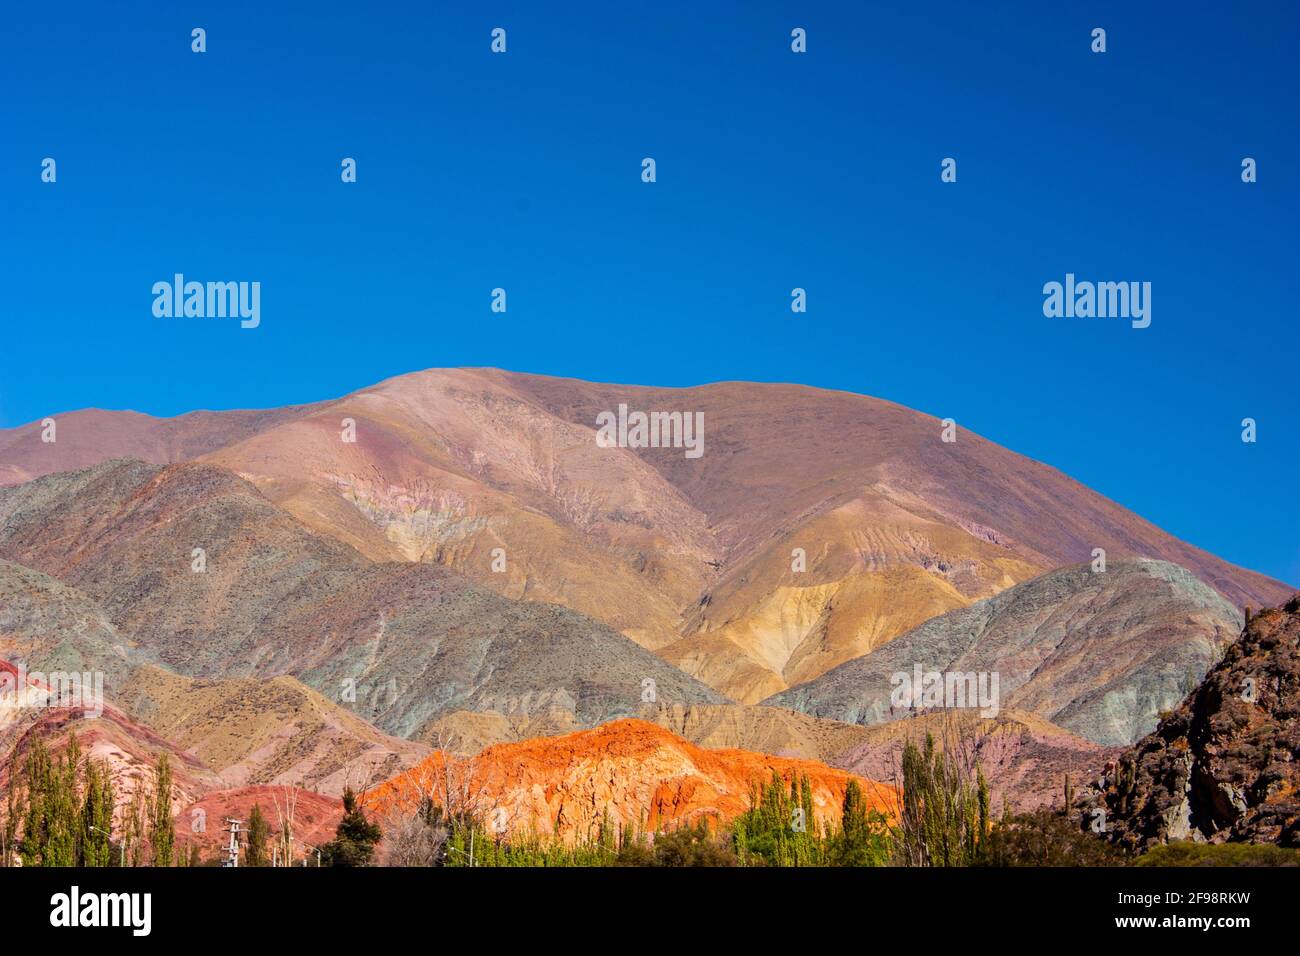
(259, 831)
(779, 828)
(945, 814)
(134, 829)
(51, 824)
(691, 846)
(8, 849)
(38, 776)
(96, 816)
(162, 827)
(354, 840)
(863, 837)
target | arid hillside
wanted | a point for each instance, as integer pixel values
(230, 732)
(1099, 654)
(815, 526)
(453, 571)
(314, 818)
(398, 643)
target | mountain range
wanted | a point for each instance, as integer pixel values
(690, 558)
(449, 567)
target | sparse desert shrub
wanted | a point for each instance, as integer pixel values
(1183, 853)
(691, 846)
(1045, 838)
(411, 840)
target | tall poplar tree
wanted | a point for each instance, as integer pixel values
(96, 816)
(162, 828)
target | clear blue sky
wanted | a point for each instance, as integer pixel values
(775, 170)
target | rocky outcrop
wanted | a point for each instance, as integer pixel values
(783, 733)
(1224, 766)
(628, 771)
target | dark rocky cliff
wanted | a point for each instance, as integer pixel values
(1225, 765)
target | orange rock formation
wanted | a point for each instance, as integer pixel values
(629, 769)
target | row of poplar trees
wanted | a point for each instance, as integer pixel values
(59, 812)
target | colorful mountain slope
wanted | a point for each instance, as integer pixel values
(1097, 653)
(127, 748)
(244, 730)
(401, 643)
(693, 557)
(258, 731)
